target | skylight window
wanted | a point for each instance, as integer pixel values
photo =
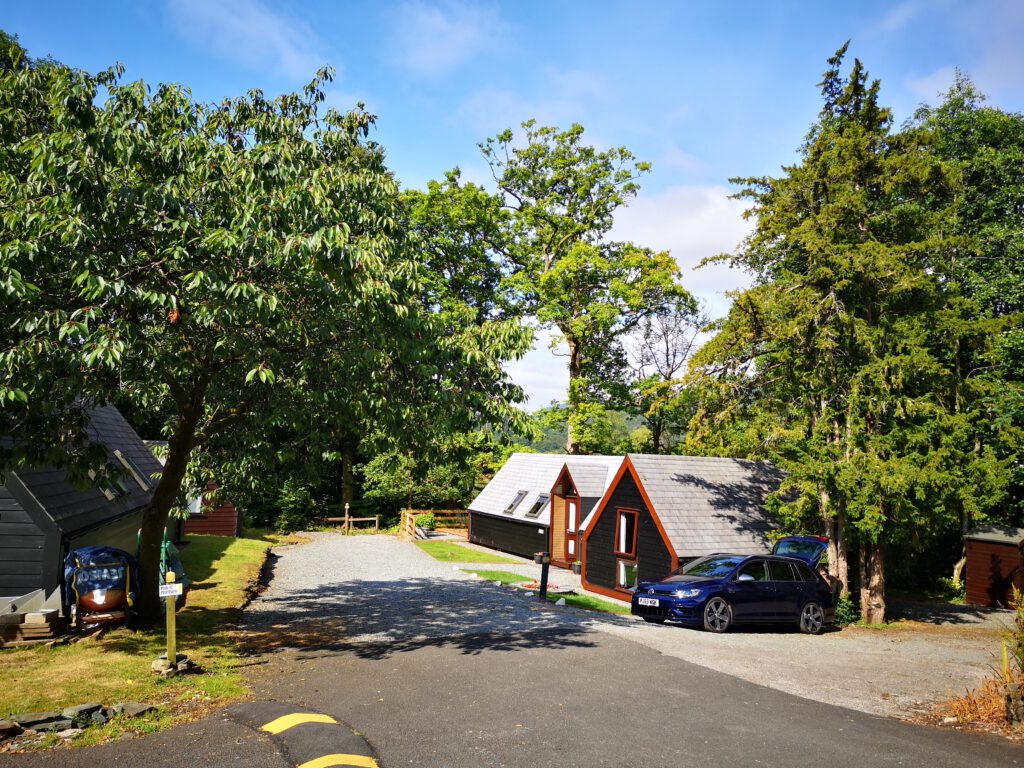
(538, 505)
(520, 495)
(134, 470)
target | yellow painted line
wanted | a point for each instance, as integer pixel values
(359, 761)
(285, 722)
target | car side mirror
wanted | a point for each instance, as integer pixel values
(744, 577)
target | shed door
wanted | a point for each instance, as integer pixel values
(572, 522)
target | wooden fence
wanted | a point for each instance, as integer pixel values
(443, 518)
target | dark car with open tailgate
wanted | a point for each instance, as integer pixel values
(722, 590)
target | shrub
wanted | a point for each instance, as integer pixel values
(847, 611)
(426, 520)
(295, 507)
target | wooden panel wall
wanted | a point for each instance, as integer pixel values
(214, 521)
(513, 536)
(558, 506)
(992, 571)
(21, 549)
(653, 557)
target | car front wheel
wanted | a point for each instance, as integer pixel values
(717, 615)
(812, 619)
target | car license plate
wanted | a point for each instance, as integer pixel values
(651, 601)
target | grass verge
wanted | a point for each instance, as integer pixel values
(115, 667)
(456, 553)
(586, 602)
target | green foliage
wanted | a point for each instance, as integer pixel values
(847, 611)
(426, 520)
(562, 196)
(842, 363)
(243, 269)
(296, 509)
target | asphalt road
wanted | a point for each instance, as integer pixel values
(568, 697)
(439, 672)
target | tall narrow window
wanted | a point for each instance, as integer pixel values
(626, 574)
(625, 536)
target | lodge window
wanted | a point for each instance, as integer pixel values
(625, 533)
(515, 502)
(625, 574)
(538, 505)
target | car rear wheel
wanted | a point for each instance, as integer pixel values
(717, 615)
(812, 619)
(654, 619)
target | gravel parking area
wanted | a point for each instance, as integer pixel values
(376, 593)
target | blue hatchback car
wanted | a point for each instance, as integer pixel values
(718, 591)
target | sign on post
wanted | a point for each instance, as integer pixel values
(171, 590)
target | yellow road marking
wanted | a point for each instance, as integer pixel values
(290, 721)
(359, 761)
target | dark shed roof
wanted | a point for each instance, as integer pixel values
(75, 510)
(997, 534)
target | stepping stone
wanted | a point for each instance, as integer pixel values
(81, 711)
(133, 709)
(8, 729)
(32, 719)
(54, 725)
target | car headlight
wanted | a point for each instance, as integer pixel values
(686, 593)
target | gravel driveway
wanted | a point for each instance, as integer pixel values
(380, 594)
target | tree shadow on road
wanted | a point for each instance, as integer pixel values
(376, 619)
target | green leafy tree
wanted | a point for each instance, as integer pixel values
(242, 267)
(835, 364)
(562, 196)
(986, 146)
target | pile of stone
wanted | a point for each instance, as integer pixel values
(34, 627)
(69, 722)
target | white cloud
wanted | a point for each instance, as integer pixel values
(543, 374)
(567, 95)
(929, 88)
(693, 222)
(251, 34)
(997, 28)
(900, 16)
(433, 40)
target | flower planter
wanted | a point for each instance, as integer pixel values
(576, 568)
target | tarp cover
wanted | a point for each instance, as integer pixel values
(98, 567)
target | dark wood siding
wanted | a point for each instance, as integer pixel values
(993, 569)
(652, 553)
(513, 536)
(21, 548)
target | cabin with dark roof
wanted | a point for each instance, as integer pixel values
(513, 512)
(43, 516)
(663, 510)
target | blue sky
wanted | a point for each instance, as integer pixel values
(704, 91)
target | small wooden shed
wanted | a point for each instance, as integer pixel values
(994, 564)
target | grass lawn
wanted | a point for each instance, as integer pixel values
(456, 553)
(578, 601)
(116, 666)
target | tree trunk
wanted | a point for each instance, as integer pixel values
(656, 430)
(872, 583)
(575, 370)
(154, 518)
(838, 562)
(347, 475)
(842, 554)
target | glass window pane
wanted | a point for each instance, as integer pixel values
(780, 571)
(755, 569)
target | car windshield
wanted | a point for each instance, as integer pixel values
(797, 548)
(711, 567)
